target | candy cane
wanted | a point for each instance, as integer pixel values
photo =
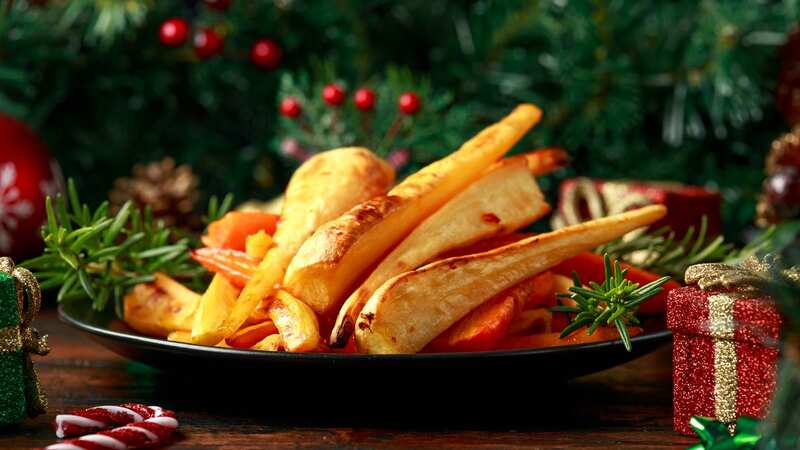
(150, 432)
(90, 420)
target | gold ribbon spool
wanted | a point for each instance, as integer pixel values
(25, 337)
(609, 199)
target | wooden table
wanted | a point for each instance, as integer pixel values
(629, 406)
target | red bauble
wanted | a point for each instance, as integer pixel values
(173, 32)
(364, 99)
(408, 103)
(28, 174)
(290, 107)
(265, 53)
(333, 95)
(207, 43)
(218, 5)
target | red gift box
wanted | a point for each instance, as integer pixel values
(581, 199)
(724, 356)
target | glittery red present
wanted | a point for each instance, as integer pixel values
(724, 356)
(686, 205)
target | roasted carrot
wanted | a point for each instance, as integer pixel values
(236, 266)
(481, 330)
(553, 340)
(589, 267)
(251, 335)
(232, 230)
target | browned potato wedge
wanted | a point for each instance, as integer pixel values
(295, 321)
(410, 310)
(150, 310)
(271, 343)
(503, 200)
(215, 305)
(322, 189)
(325, 268)
(180, 336)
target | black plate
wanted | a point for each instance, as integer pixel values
(556, 363)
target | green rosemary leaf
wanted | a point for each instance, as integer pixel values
(61, 207)
(85, 237)
(50, 283)
(68, 283)
(623, 333)
(119, 222)
(158, 251)
(86, 284)
(72, 192)
(101, 212)
(52, 226)
(574, 326)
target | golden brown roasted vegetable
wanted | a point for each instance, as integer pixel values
(322, 189)
(151, 309)
(503, 200)
(295, 321)
(215, 305)
(325, 268)
(410, 310)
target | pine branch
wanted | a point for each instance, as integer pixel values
(612, 303)
(93, 255)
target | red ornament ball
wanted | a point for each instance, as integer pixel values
(266, 53)
(408, 102)
(207, 43)
(173, 32)
(218, 5)
(28, 174)
(333, 94)
(364, 99)
(290, 107)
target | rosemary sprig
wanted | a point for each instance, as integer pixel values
(613, 302)
(217, 209)
(92, 255)
(659, 251)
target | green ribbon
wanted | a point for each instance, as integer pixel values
(715, 435)
(24, 337)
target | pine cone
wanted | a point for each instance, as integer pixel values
(780, 197)
(169, 190)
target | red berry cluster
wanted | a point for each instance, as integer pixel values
(207, 42)
(364, 99)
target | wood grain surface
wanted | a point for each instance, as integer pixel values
(625, 407)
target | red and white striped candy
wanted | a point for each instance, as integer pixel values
(150, 432)
(98, 418)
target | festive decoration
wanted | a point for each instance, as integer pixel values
(333, 94)
(715, 435)
(20, 299)
(408, 102)
(218, 5)
(169, 190)
(27, 175)
(290, 107)
(98, 418)
(207, 43)
(364, 98)
(780, 197)
(80, 250)
(725, 351)
(151, 432)
(173, 32)
(266, 53)
(582, 199)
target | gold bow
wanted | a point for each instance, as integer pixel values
(23, 336)
(753, 276)
(609, 199)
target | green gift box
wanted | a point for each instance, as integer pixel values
(21, 395)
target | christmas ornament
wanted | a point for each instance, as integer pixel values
(207, 43)
(291, 148)
(169, 190)
(582, 199)
(399, 158)
(780, 197)
(218, 5)
(20, 300)
(98, 418)
(265, 53)
(173, 32)
(714, 435)
(27, 176)
(364, 99)
(290, 107)
(726, 333)
(333, 94)
(151, 432)
(408, 102)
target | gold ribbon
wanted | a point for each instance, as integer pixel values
(25, 337)
(753, 276)
(721, 327)
(609, 199)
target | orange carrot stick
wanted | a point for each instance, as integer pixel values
(232, 229)
(236, 266)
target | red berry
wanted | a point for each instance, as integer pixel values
(333, 95)
(408, 103)
(207, 43)
(290, 107)
(265, 53)
(173, 32)
(364, 98)
(218, 5)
